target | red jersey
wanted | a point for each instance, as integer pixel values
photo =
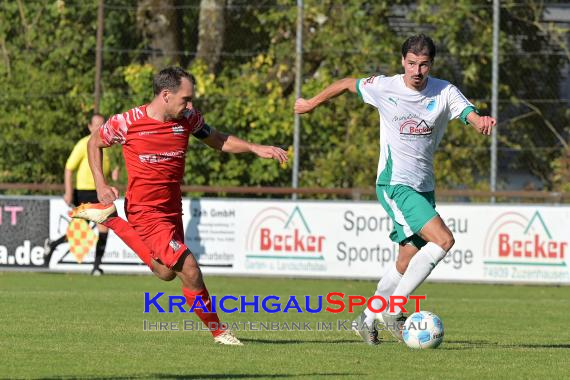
(154, 153)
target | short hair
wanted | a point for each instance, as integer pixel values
(170, 78)
(418, 45)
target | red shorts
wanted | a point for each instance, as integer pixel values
(162, 233)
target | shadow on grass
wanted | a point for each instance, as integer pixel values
(298, 341)
(205, 376)
(471, 344)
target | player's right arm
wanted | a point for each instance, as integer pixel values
(68, 185)
(105, 193)
(334, 90)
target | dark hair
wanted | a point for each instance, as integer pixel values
(419, 45)
(170, 78)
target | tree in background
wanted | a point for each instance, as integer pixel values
(531, 122)
(211, 32)
(244, 62)
(159, 23)
(46, 78)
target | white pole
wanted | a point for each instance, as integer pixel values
(298, 82)
(495, 95)
(99, 54)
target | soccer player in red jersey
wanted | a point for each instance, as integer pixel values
(154, 138)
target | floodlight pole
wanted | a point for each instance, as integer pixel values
(298, 82)
(99, 55)
(495, 95)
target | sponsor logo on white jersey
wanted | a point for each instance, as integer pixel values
(412, 127)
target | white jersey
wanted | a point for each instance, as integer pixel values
(412, 124)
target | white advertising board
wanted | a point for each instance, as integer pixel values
(494, 243)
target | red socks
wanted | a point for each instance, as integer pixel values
(127, 234)
(209, 319)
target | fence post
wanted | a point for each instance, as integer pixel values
(99, 54)
(298, 83)
(495, 96)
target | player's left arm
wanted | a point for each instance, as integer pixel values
(483, 124)
(232, 144)
(460, 107)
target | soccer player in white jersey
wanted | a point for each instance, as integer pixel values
(414, 112)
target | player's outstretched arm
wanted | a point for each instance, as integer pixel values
(105, 193)
(233, 144)
(334, 90)
(268, 151)
(483, 124)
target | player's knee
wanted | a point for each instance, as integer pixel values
(446, 242)
(166, 276)
(164, 273)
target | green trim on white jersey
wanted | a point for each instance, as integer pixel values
(466, 112)
(385, 177)
(358, 89)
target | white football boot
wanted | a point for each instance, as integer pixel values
(93, 212)
(228, 338)
(394, 323)
(368, 334)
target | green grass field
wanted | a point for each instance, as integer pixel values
(76, 326)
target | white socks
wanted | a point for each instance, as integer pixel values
(418, 270)
(385, 288)
(396, 284)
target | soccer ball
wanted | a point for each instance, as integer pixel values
(423, 330)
